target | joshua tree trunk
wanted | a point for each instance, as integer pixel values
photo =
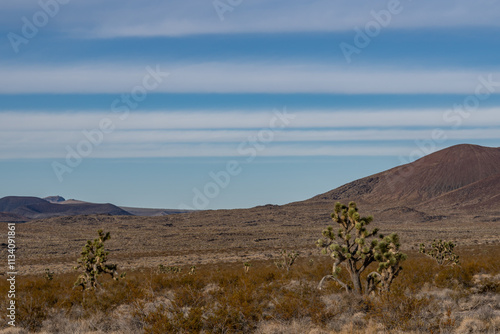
(356, 281)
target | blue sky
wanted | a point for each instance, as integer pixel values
(217, 104)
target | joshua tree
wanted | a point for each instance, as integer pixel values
(350, 246)
(286, 259)
(49, 275)
(192, 270)
(389, 258)
(93, 263)
(442, 252)
(246, 266)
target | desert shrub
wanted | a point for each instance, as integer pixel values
(455, 277)
(398, 310)
(299, 302)
(35, 297)
(418, 272)
(158, 322)
(470, 325)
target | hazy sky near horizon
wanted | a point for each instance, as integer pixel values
(236, 103)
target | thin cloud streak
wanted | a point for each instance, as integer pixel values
(40, 139)
(247, 119)
(203, 150)
(242, 78)
(126, 18)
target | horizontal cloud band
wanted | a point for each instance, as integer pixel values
(247, 78)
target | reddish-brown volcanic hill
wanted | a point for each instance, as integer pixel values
(429, 177)
(478, 197)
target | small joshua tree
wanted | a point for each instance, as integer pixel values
(93, 263)
(286, 260)
(192, 270)
(49, 275)
(350, 247)
(246, 266)
(389, 258)
(442, 252)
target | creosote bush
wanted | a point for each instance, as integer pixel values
(93, 263)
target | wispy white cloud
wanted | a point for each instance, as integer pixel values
(240, 78)
(204, 150)
(115, 18)
(35, 140)
(246, 119)
(212, 134)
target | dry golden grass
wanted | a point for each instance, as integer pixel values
(223, 298)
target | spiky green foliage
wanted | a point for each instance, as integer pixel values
(246, 266)
(350, 245)
(93, 263)
(168, 269)
(442, 252)
(354, 247)
(192, 270)
(49, 275)
(389, 258)
(286, 259)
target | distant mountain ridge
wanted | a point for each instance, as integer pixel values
(38, 208)
(54, 199)
(24, 208)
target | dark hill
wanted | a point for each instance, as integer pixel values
(37, 208)
(12, 218)
(11, 203)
